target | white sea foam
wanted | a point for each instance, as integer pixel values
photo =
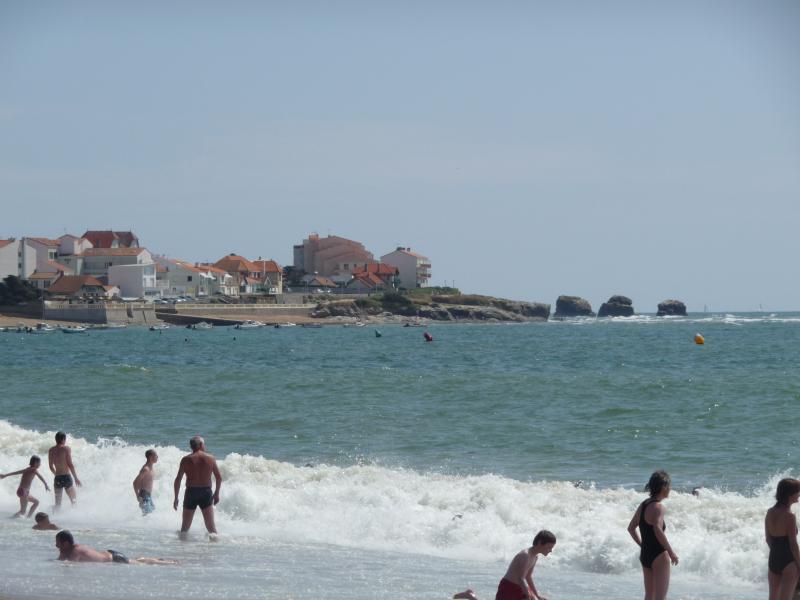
(718, 534)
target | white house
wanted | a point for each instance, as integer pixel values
(414, 269)
(183, 278)
(137, 280)
(9, 258)
(98, 261)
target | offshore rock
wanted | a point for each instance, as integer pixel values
(573, 306)
(671, 308)
(617, 306)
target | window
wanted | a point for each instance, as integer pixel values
(188, 278)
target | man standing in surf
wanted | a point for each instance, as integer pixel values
(60, 459)
(198, 468)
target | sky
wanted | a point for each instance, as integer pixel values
(529, 149)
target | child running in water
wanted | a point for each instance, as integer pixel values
(517, 583)
(24, 489)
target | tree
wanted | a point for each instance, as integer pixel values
(14, 290)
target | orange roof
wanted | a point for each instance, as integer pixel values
(233, 263)
(267, 266)
(369, 278)
(70, 284)
(58, 265)
(44, 241)
(377, 268)
(113, 251)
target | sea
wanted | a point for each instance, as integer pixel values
(362, 466)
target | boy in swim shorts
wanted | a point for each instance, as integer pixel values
(24, 489)
(143, 483)
(60, 459)
(517, 583)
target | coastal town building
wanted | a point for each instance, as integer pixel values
(80, 286)
(252, 277)
(413, 268)
(271, 276)
(365, 282)
(97, 261)
(33, 252)
(9, 258)
(388, 274)
(331, 255)
(134, 280)
(182, 278)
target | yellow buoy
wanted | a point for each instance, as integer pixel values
(699, 339)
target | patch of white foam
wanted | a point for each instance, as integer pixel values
(487, 518)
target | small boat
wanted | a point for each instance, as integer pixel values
(42, 328)
(289, 324)
(312, 326)
(108, 326)
(360, 324)
(249, 325)
(74, 329)
(159, 327)
(203, 326)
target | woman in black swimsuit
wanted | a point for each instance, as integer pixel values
(656, 553)
(780, 527)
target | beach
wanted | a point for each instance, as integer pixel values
(360, 467)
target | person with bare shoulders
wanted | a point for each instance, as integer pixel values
(656, 554)
(198, 468)
(60, 459)
(143, 483)
(70, 551)
(25, 482)
(43, 523)
(517, 583)
(780, 528)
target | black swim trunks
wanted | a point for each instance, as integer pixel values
(118, 557)
(197, 496)
(62, 481)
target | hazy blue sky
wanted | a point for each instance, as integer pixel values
(529, 149)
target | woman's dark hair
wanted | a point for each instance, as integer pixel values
(786, 488)
(544, 537)
(658, 481)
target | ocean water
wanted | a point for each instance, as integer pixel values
(364, 467)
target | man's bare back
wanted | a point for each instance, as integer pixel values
(198, 468)
(60, 457)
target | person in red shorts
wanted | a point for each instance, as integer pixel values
(517, 583)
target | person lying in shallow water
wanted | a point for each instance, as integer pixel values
(43, 523)
(70, 551)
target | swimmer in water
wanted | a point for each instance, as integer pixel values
(43, 523)
(143, 483)
(24, 489)
(70, 551)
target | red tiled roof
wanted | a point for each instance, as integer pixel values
(58, 265)
(45, 276)
(369, 279)
(44, 241)
(322, 281)
(377, 268)
(70, 284)
(267, 266)
(104, 238)
(233, 263)
(113, 251)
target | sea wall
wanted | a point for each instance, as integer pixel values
(101, 312)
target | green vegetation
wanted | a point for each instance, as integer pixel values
(430, 291)
(14, 290)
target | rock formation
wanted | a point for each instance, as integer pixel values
(671, 308)
(617, 306)
(573, 306)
